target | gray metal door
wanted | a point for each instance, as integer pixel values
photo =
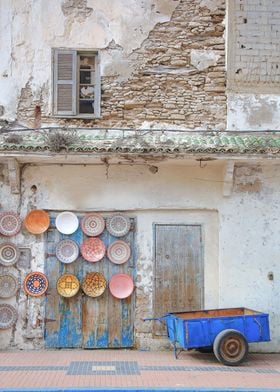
(179, 282)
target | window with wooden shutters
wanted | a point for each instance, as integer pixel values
(76, 83)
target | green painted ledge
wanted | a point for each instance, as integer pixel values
(150, 143)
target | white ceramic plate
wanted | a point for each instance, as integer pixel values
(67, 222)
(67, 251)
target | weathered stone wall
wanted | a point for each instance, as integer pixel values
(174, 74)
(181, 79)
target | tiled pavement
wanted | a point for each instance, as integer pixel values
(88, 370)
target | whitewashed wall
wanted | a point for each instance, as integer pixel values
(241, 232)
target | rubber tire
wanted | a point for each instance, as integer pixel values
(221, 340)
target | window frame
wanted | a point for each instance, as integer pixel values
(97, 83)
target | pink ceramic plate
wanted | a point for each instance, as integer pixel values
(93, 249)
(121, 286)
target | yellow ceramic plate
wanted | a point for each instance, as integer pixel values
(67, 285)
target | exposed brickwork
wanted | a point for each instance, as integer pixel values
(256, 43)
(165, 87)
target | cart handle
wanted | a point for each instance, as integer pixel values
(154, 318)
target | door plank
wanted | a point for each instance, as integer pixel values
(178, 270)
(83, 321)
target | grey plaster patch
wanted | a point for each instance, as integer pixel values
(203, 59)
(262, 112)
(76, 8)
(212, 5)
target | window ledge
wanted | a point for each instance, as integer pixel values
(79, 116)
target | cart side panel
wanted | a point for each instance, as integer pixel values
(198, 333)
(257, 328)
(202, 332)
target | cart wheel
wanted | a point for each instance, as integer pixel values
(230, 347)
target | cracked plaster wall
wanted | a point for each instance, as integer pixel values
(145, 49)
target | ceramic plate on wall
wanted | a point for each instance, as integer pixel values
(9, 253)
(93, 224)
(10, 223)
(121, 286)
(8, 285)
(8, 316)
(35, 284)
(118, 225)
(66, 222)
(67, 285)
(94, 284)
(67, 251)
(93, 249)
(37, 221)
(119, 252)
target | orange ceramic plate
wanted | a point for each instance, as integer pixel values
(37, 221)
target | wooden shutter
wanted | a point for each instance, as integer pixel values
(65, 81)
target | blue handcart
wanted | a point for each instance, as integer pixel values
(225, 331)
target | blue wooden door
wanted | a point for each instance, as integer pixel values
(83, 321)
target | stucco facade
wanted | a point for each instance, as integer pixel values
(162, 67)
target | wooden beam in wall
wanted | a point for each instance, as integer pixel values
(14, 175)
(228, 178)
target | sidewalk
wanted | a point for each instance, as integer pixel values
(87, 370)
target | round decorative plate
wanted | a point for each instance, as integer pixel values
(37, 221)
(9, 253)
(10, 223)
(8, 316)
(94, 284)
(67, 285)
(8, 285)
(66, 222)
(67, 251)
(119, 252)
(121, 286)
(93, 224)
(118, 225)
(35, 284)
(93, 249)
